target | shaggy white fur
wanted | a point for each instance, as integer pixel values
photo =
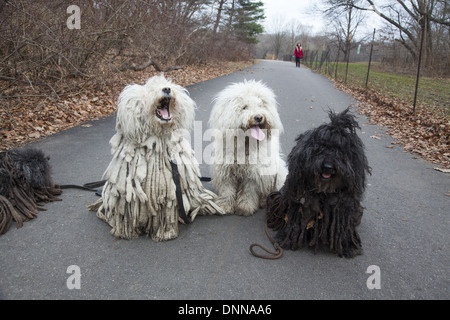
(247, 163)
(140, 194)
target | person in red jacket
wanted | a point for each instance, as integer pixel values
(298, 54)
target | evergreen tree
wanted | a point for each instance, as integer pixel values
(247, 15)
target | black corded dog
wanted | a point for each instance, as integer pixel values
(320, 200)
(25, 184)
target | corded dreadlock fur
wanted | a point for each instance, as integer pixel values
(25, 184)
(140, 195)
(319, 203)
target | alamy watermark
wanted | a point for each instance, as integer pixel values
(74, 280)
(74, 20)
(374, 280)
(232, 146)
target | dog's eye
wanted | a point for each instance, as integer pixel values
(244, 107)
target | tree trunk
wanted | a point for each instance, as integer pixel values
(219, 14)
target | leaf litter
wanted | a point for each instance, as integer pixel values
(423, 133)
(27, 115)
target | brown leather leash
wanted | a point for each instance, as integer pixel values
(278, 253)
(273, 255)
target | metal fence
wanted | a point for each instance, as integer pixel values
(334, 62)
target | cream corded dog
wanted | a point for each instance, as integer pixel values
(247, 163)
(151, 154)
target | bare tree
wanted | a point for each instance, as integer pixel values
(278, 35)
(284, 36)
(346, 20)
(295, 33)
(220, 9)
(38, 48)
(411, 19)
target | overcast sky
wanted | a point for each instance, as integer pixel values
(288, 10)
(303, 11)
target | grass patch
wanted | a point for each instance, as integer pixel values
(433, 93)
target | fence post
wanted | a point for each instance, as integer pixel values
(370, 57)
(349, 46)
(337, 61)
(420, 59)
(317, 59)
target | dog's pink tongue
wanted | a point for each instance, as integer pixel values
(257, 133)
(164, 113)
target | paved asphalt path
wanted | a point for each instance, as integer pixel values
(405, 227)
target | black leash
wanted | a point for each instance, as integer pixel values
(176, 180)
(93, 186)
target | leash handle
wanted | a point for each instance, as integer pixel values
(273, 254)
(278, 253)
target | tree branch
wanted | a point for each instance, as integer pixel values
(148, 63)
(393, 22)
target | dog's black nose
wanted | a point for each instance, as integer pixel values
(327, 167)
(258, 118)
(166, 90)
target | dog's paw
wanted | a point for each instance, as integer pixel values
(226, 204)
(245, 207)
(262, 202)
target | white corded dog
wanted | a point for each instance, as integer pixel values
(247, 162)
(153, 181)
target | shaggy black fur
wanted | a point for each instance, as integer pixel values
(320, 200)
(25, 183)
